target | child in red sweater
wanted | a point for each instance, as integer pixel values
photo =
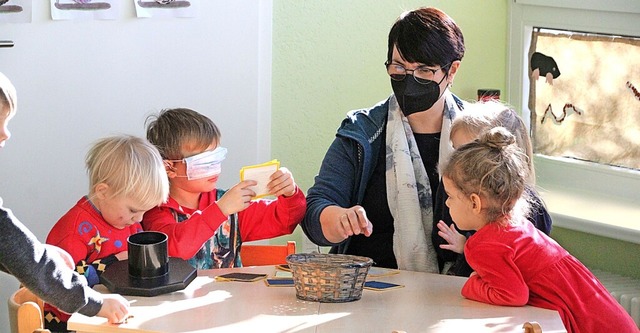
(42, 268)
(515, 263)
(206, 225)
(127, 178)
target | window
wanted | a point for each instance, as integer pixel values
(583, 96)
(585, 192)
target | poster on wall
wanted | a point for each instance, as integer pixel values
(15, 11)
(166, 8)
(84, 9)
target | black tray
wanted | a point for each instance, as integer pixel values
(117, 279)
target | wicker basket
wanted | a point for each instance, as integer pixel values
(328, 278)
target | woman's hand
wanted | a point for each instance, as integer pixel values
(339, 223)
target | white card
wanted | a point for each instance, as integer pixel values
(260, 173)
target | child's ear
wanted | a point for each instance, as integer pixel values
(476, 203)
(101, 190)
(169, 168)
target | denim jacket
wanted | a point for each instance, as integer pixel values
(348, 165)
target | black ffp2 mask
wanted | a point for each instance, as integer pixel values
(416, 97)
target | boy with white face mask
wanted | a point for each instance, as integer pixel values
(206, 225)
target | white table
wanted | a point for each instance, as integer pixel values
(427, 303)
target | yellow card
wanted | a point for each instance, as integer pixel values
(261, 174)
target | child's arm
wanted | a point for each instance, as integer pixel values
(497, 280)
(65, 235)
(41, 271)
(265, 218)
(188, 236)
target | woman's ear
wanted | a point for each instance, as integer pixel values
(476, 203)
(101, 191)
(453, 69)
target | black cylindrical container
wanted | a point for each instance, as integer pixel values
(148, 254)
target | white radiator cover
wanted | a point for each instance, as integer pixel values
(624, 289)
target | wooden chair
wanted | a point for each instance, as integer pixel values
(26, 312)
(266, 255)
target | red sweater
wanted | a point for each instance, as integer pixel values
(87, 236)
(89, 239)
(263, 219)
(518, 265)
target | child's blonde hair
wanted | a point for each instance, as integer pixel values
(8, 96)
(494, 168)
(131, 166)
(482, 116)
(173, 130)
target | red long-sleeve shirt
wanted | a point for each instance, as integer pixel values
(263, 219)
(518, 265)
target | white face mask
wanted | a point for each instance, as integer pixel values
(205, 164)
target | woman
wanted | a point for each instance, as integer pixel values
(383, 162)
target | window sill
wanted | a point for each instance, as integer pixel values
(593, 214)
(590, 198)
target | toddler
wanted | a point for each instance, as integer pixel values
(39, 267)
(126, 178)
(480, 117)
(515, 263)
(206, 225)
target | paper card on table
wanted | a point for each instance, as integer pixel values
(261, 174)
(279, 282)
(282, 274)
(380, 286)
(379, 271)
(284, 267)
(242, 277)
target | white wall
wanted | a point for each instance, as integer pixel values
(78, 81)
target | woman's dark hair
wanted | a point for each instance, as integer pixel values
(426, 35)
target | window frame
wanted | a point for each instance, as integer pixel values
(565, 181)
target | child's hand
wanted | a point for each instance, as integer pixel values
(450, 234)
(282, 183)
(123, 255)
(114, 307)
(237, 198)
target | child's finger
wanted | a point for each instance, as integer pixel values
(247, 194)
(275, 181)
(277, 174)
(247, 183)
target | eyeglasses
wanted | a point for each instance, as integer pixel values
(422, 74)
